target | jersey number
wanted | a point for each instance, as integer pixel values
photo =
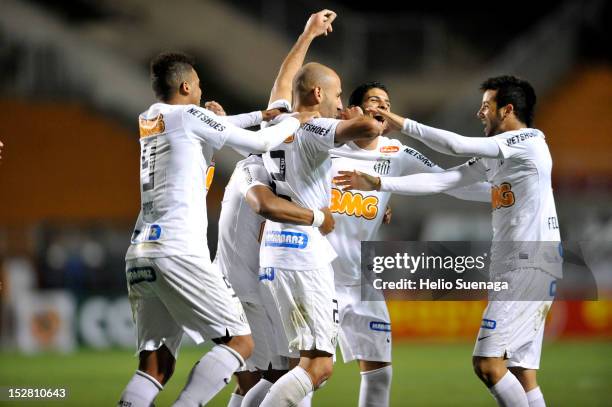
(147, 163)
(280, 175)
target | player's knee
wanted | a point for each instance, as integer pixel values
(321, 372)
(489, 370)
(242, 344)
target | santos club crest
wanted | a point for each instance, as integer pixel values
(382, 167)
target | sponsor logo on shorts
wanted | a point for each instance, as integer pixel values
(293, 240)
(484, 337)
(267, 274)
(380, 326)
(137, 275)
(488, 323)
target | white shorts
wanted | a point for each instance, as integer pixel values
(515, 329)
(304, 303)
(365, 326)
(265, 355)
(175, 295)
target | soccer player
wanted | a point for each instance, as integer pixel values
(172, 286)
(515, 159)
(241, 226)
(365, 326)
(248, 201)
(296, 261)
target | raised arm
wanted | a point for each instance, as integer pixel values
(442, 140)
(265, 203)
(318, 24)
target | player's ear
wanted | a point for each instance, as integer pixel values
(184, 89)
(318, 94)
(507, 110)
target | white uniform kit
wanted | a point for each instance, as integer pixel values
(524, 213)
(240, 231)
(296, 260)
(526, 241)
(173, 287)
(365, 327)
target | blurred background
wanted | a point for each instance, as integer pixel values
(74, 77)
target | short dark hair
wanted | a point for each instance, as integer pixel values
(168, 71)
(517, 92)
(356, 97)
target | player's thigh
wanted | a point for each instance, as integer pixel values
(200, 299)
(365, 327)
(155, 326)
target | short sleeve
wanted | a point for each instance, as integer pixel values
(206, 125)
(251, 172)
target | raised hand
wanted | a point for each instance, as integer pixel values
(358, 180)
(320, 23)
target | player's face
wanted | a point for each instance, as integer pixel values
(489, 114)
(378, 98)
(331, 104)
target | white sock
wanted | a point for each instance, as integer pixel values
(306, 401)
(375, 387)
(508, 392)
(209, 376)
(256, 394)
(289, 390)
(235, 400)
(140, 391)
(536, 398)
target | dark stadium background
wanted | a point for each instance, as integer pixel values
(73, 78)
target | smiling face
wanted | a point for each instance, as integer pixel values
(377, 98)
(489, 114)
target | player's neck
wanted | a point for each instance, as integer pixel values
(306, 108)
(178, 100)
(511, 124)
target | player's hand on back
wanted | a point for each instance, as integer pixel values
(395, 122)
(320, 23)
(303, 117)
(270, 114)
(358, 180)
(328, 224)
(215, 107)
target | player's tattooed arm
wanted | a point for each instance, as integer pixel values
(268, 205)
(440, 140)
(318, 24)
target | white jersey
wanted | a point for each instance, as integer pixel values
(177, 144)
(300, 170)
(522, 199)
(359, 214)
(240, 230)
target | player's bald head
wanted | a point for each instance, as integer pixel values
(313, 75)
